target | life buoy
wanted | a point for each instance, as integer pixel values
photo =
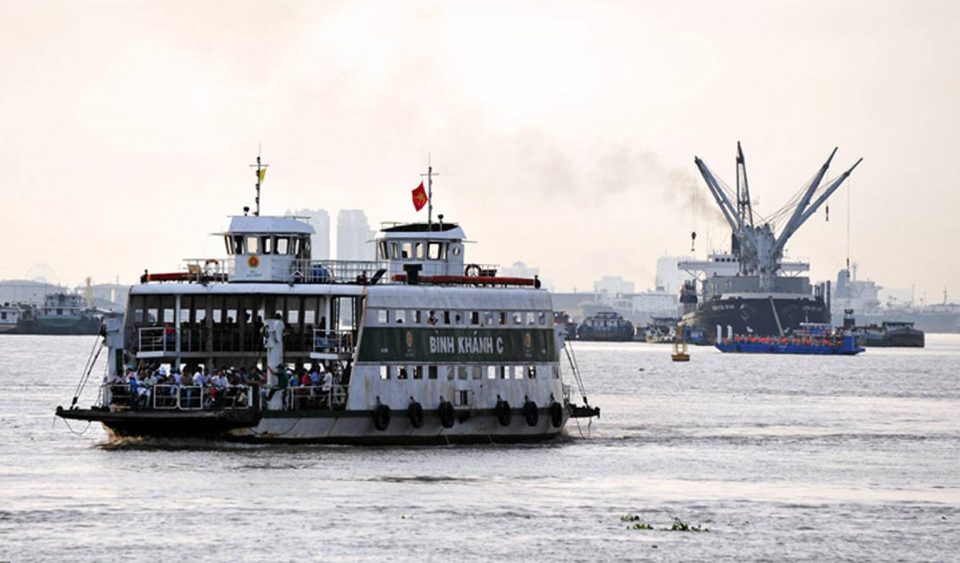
(415, 413)
(445, 410)
(503, 412)
(381, 417)
(472, 270)
(556, 414)
(531, 413)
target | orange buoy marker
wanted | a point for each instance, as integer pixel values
(680, 347)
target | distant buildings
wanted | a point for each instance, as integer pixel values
(613, 286)
(354, 236)
(319, 219)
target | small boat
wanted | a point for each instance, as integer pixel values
(892, 334)
(812, 338)
(606, 326)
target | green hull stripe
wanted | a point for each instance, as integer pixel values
(443, 345)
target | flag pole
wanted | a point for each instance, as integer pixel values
(259, 174)
(429, 176)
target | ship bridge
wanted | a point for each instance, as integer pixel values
(430, 249)
(266, 249)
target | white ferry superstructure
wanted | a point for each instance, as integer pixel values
(416, 346)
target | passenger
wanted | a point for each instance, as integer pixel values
(432, 319)
(134, 390)
(305, 380)
(315, 377)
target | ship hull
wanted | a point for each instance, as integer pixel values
(59, 327)
(755, 315)
(325, 427)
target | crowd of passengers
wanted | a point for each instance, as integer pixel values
(148, 386)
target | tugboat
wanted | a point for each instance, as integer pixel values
(752, 288)
(415, 347)
(606, 326)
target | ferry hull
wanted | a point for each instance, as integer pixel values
(324, 427)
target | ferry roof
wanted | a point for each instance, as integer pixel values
(245, 289)
(432, 231)
(253, 224)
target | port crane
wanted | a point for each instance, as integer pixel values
(757, 247)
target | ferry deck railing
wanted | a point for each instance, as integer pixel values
(178, 397)
(331, 344)
(155, 339)
(336, 271)
(315, 397)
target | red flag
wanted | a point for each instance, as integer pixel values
(419, 197)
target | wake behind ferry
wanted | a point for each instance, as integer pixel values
(272, 346)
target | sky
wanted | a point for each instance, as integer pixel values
(564, 133)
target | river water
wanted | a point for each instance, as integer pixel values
(778, 457)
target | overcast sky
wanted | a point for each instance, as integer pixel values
(564, 133)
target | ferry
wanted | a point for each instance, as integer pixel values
(413, 347)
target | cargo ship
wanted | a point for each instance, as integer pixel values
(752, 288)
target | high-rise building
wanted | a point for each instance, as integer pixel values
(354, 236)
(319, 219)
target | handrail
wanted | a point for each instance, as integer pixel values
(155, 339)
(338, 341)
(178, 397)
(305, 397)
(334, 271)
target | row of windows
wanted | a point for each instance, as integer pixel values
(451, 373)
(416, 250)
(268, 244)
(459, 318)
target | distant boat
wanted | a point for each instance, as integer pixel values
(606, 326)
(893, 334)
(61, 313)
(811, 338)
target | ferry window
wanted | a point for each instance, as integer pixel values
(432, 318)
(518, 318)
(487, 318)
(400, 316)
(266, 243)
(450, 371)
(542, 319)
(252, 245)
(503, 317)
(455, 250)
(446, 317)
(382, 316)
(417, 317)
(518, 372)
(477, 372)
(458, 318)
(418, 250)
(305, 248)
(432, 372)
(474, 317)
(435, 251)
(283, 245)
(407, 250)
(491, 372)
(532, 372)
(531, 318)
(382, 250)
(463, 397)
(418, 372)
(394, 250)
(503, 372)
(238, 244)
(384, 372)
(228, 241)
(402, 372)
(462, 372)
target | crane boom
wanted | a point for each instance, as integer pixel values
(726, 207)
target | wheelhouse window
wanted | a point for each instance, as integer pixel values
(253, 246)
(436, 251)
(283, 245)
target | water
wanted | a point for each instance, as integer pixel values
(785, 457)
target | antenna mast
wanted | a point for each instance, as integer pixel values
(261, 170)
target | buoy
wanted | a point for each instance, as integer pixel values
(680, 347)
